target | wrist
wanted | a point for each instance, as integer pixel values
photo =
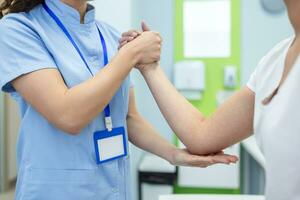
(171, 156)
(131, 53)
(150, 69)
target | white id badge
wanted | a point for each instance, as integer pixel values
(110, 145)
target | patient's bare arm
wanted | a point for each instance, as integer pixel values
(231, 123)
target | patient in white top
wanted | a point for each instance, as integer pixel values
(268, 107)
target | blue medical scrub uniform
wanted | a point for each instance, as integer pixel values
(53, 165)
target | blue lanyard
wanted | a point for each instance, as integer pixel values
(66, 32)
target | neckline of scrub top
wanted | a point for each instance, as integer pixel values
(280, 84)
(69, 14)
(279, 72)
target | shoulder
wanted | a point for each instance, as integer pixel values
(276, 51)
(22, 18)
(14, 21)
(273, 56)
(264, 72)
(20, 24)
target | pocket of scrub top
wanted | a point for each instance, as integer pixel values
(51, 184)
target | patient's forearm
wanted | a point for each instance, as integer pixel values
(230, 124)
(180, 114)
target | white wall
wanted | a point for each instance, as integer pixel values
(260, 32)
(159, 16)
(117, 13)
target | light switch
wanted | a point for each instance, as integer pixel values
(230, 77)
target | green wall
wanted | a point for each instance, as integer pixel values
(214, 69)
(214, 66)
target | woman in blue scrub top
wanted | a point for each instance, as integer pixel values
(52, 58)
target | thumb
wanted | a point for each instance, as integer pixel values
(145, 26)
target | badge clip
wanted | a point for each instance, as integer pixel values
(108, 123)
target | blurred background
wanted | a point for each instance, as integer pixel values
(211, 47)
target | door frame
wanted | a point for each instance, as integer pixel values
(3, 182)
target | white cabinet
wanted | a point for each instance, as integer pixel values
(217, 176)
(211, 197)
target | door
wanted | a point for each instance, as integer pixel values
(9, 127)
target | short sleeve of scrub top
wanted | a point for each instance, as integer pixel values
(22, 53)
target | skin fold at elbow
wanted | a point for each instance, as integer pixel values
(200, 143)
(204, 147)
(197, 149)
(193, 137)
(69, 124)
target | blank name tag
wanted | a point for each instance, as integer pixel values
(110, 145)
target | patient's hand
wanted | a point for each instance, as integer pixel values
(130, 36)
(181, 157)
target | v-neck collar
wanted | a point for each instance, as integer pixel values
(278, 74)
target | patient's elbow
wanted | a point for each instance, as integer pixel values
(198, 145)
(202, 147)
(196, 150)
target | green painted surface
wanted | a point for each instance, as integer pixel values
(214, 68)
(180, 190)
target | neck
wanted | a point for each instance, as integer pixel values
(293, 7)
(79, 5)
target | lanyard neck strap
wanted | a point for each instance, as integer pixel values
(108, 120)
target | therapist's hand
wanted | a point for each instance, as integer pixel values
(131, 35)
(181, 157)
(128, 37)
(145, 45)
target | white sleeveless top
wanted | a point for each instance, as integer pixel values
(277, 125)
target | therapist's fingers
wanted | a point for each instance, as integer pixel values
(122, 44)
(231, 158)
(184, 158)
(123, 41)
(223, 156)
(205, 161)
(126, 38)
(132, 33)
(208, 161)
(225, 159)
(201, 161)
